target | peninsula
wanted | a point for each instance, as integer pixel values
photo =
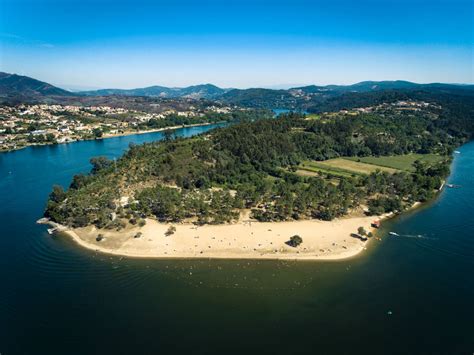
(298, 187)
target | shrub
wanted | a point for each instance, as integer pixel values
(170, 231)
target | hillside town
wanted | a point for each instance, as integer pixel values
(398, 106)
(26, 125)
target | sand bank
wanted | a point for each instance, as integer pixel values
(241, 240)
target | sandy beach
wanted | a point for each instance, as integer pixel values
(242, 240)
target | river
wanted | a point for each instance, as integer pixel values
(408, 294)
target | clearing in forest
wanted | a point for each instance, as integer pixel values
(400, 162)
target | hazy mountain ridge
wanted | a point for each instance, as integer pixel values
(207, 91)
(17, 88)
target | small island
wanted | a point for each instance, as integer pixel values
(245, 190)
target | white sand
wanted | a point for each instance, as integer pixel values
(242, 240)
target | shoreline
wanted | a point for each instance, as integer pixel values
(249, 240)
(131, 133)
(114, 135)
(244, 239)
(322, 240)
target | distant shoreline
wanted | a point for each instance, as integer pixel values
(131, 133)
(114, 135)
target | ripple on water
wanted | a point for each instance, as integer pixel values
(68, 262)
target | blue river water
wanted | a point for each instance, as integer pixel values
(279, 111)
(407, 294)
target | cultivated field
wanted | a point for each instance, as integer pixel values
(343, 167)
(348, 166)
(313, 116)
(399, 162)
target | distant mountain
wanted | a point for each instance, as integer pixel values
(16, 89)
(382, 85)
(206, 91)
(313, 97)
(368, 86)
(12, 85)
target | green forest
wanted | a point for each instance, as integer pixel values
(253, 165)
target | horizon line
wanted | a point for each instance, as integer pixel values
(69, 87)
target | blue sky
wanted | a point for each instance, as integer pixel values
(105, 43)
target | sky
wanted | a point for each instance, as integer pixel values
(236, 43)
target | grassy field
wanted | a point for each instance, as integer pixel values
(313, 116)
(342, 167)
(400, 162)
(313, 170)
(348, 166)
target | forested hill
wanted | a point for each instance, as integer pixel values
(333, 98)
(18, 87)
(313, 98)
(294, 167)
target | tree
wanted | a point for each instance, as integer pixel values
(168, 135)
(57, 195)
(97, 132)
(50, 138)
(294, 241)
(100, 163)
(33, 127)
(79, 181)
(361, 231)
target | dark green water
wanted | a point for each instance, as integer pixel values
(56, 298)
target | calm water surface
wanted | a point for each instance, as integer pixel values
(405, 295)
(279, 111)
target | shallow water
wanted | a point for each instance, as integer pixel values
(403, 296)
